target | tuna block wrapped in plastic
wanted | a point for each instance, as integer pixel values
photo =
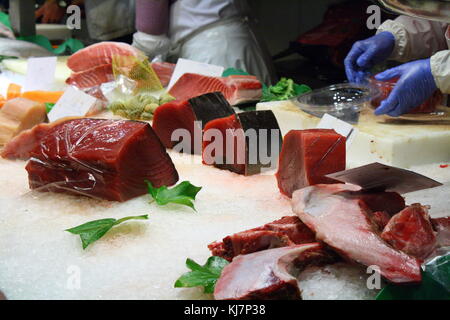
(307, 156)
(106, 159)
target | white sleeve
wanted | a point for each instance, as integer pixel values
(151, 45)
(415, 38)
(440, 68)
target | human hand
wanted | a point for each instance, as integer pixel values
(50, 12)
(415, 85)
(367, 53)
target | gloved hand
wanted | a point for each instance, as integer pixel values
(367, 53)
(416, 84)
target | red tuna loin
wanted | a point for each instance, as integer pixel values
(411, 232)
(107, 159)
(164, 71)
(340, 219)
(268, 274)
(100, 54)
(286, 231)
(307, 156)
(183, 114)
(92, 77)
(236, 89)
(247, 142)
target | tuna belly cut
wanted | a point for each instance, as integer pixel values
(106, 159)
(340, 219)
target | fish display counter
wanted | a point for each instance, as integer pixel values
(183, 193)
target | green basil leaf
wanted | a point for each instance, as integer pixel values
(90, 232)
(184, 194)
(204, 276)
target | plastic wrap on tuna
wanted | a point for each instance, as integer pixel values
(106, 159)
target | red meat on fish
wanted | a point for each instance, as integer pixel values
(268, 274)
(106, 159)
(286, 231)
(340, 218)
(411, 232)
(236, 89)
(101, 53)
(174, 118)
(307, 156)
(92, 77)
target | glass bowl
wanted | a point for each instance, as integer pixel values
(343, 101)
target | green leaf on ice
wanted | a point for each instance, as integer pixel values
(92, 231)
(204, 276)
(184, 194)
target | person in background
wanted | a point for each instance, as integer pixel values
(107, 20)
(219, 32)
(425, 44)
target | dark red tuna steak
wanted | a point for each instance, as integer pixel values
(268, 274)
(341, 219)
(307, 156)
(244, 143)
(411, 232)
(286, 231)
(106, 159)
(182, 116)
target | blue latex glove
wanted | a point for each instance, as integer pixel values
(367, 53)
(416, 84)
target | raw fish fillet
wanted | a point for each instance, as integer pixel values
(236, 89)
(20, 147)
(268, 274)
(182, 115)
(340, 219)
(106, 159)
(411, 231)
(307, 156)
(19, 114)
(286, 231)
(100, 54)
(92, 77)
(247, 142)
(164, 71)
